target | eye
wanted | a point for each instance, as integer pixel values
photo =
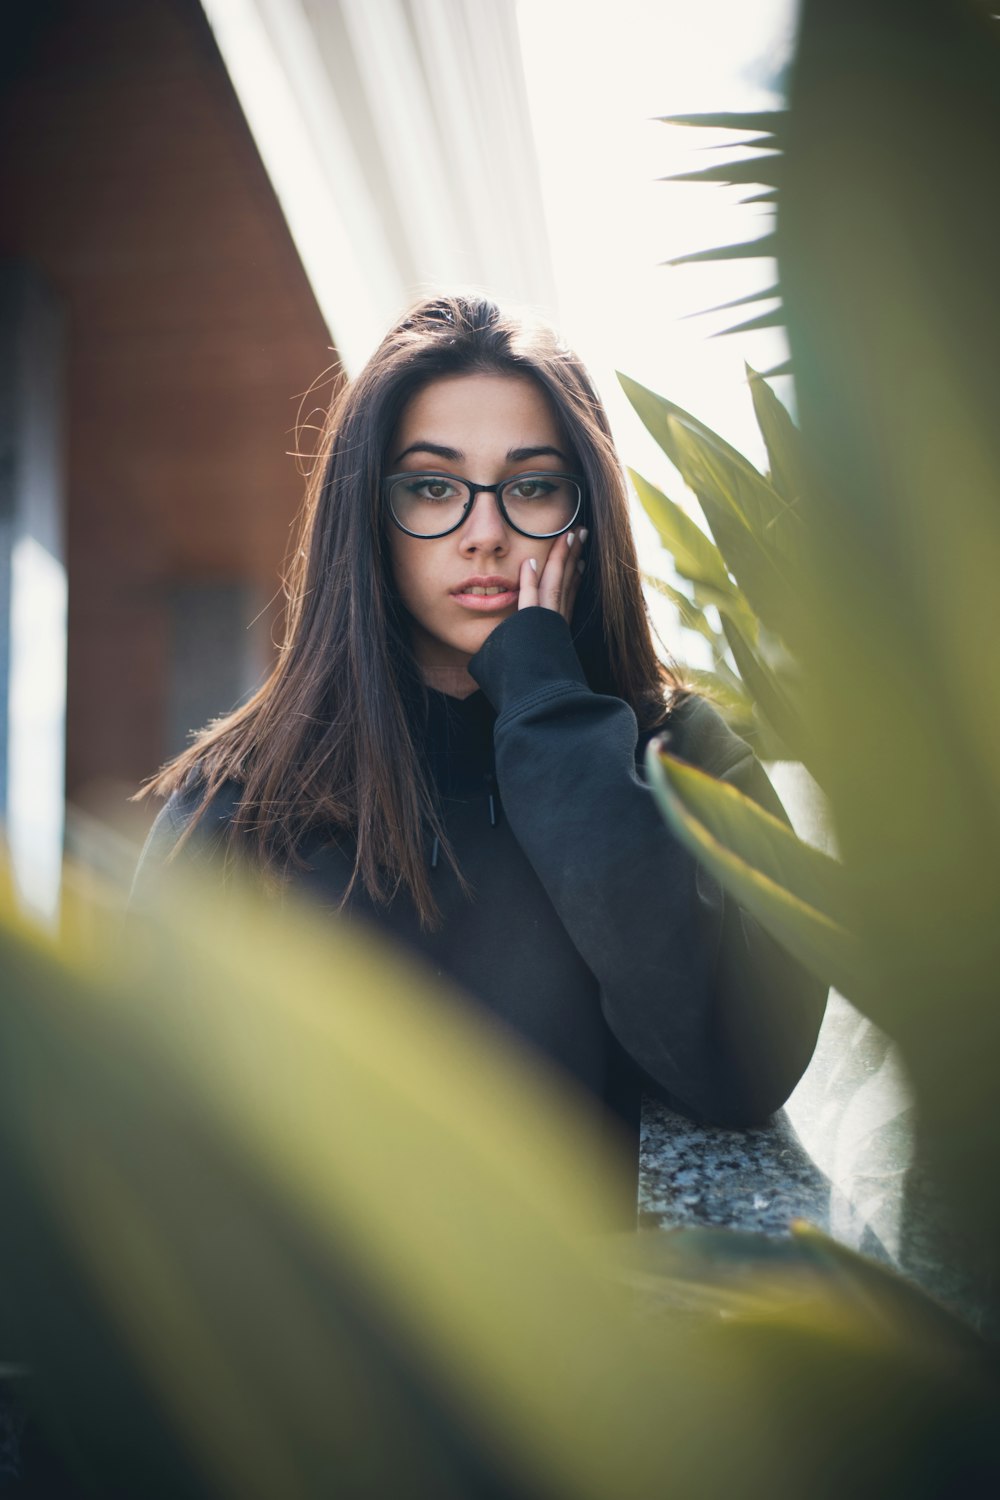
(431, 487)
(531, 488)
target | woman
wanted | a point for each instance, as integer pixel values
(451, 742)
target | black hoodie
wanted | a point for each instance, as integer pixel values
(591, 931)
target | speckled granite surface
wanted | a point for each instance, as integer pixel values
(758, 1179)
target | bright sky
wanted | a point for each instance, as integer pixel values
(598, 74)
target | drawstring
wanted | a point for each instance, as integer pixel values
(492, 807)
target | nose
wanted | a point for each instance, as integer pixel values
(484, 528)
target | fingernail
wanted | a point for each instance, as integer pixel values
(570, 539)
(580, 565)
(533, 564)
(584, 534)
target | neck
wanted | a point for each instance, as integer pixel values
(455, 681)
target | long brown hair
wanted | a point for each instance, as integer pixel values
(330, 740)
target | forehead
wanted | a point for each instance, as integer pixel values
(475, 412)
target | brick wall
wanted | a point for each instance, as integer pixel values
(129, 178)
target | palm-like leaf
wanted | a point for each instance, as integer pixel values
(695, 555)
(755, 530)
(692, 615)
(772, 319)
(795, 891)
(765, 296)
(767, 131)
(782, 440)
(765, 247)
(763, 168)
(756, 523)
(774, 701)
(761, 122)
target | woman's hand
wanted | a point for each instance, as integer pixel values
(556, 586)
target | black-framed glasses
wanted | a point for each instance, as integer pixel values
(428, 504)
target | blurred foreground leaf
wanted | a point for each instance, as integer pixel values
(281, 1221)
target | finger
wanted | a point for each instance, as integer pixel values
(574, 572)
(577, 568)
(527, 584)
(573, 588)
(555, 579)
(569, 585)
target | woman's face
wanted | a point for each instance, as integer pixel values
(486, 428)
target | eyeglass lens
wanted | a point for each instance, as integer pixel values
(540, 504)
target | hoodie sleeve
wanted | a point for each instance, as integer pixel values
(708, 1004)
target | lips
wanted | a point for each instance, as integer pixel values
(486, 595)
(494, 581)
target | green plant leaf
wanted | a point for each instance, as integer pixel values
(734, 483)
(770, 697)
(760, 122)
(750, 522)
(799, 894)
(695, 554)
(758, 503)
(764, 168)
(773, 319)
(881, 1295)
(767, 744)
(200, 1250)
(807, 1276)
(765, 246)
(756, 529)
(781, 438)
(759, 839)
(692, 615)
(764, 296)
(726, 691)
(732, 604)
(770, 195)
(655, 412)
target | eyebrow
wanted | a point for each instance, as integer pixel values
(454, 455)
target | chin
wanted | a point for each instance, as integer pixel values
(466, 643)
(485, 627)
(461, 643)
